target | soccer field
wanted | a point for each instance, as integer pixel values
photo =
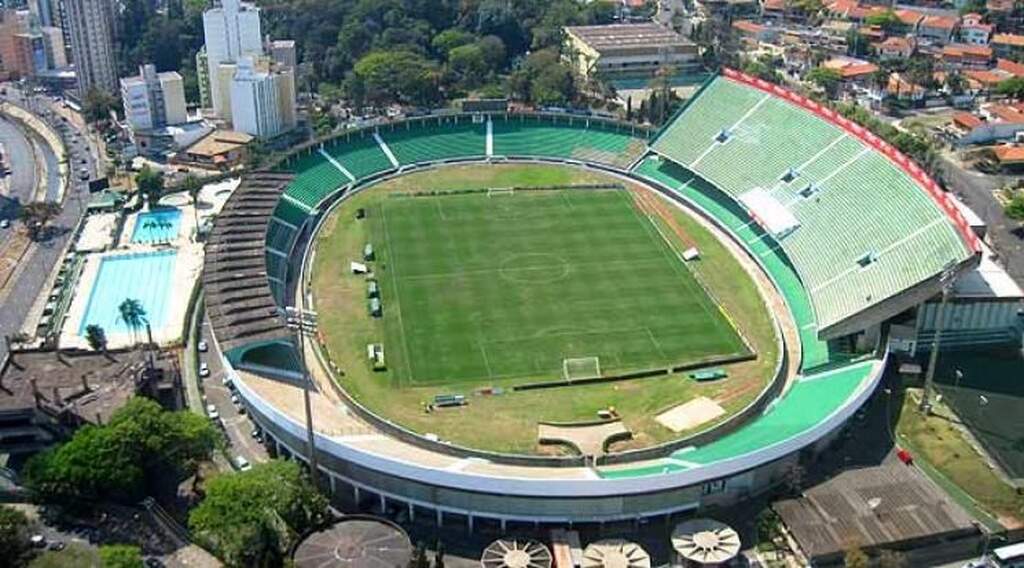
(477, 287)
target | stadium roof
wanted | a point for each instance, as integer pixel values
(876, 233)
(238, 298)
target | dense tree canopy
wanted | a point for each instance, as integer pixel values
(252, 518)
(14, 536)
(120, 556)
(141, 446)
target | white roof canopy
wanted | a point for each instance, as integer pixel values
(769, 212)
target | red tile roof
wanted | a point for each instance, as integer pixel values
(1011, 67)
(748, 26)
(1009, 153)
(941, 22)
(985, 78)
(967, 120)
(1009, 39)
(967, 51)
(909, 17)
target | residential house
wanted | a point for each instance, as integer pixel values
(909, 19)
(1013, 68)
(852, 72)
(896, 48)
(984, 80)
(900, 87)
(1009, 157)
(994, 122)
(939, 29)
(754, 32)
(1010, 46)
(774, 10)
(973, 30)
(963, 55)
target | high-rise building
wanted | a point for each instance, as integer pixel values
(153, 100)
(282, 51)
(45, 13)
(231, 31)
(91, 25)
(262, 97)
(53, 41)
(203, 78)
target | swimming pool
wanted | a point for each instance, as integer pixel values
(146, 277)
(157, 226)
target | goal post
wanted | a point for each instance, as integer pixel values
(581, 368)
(500, 191)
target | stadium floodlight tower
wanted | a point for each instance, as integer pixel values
(947, 280)
(304, 322)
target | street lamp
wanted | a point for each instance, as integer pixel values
(946, 280)
(304, 322)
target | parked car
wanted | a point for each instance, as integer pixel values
(202, 346)
(211, 411)
(242, 464)
(5, 223)
(204, 369)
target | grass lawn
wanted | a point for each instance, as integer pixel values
(941, 443)
(490, 279)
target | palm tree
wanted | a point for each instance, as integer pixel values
(133, 315)
(194, 186)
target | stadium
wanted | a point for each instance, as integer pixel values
(503, 312)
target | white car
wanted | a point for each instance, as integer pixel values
(202, 346)
(242, 464)
(204, 370)
(5, 223)
(211, 411)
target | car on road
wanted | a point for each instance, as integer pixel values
(211, 411)
(242, 464)
(202, 346)
(226, 381)
(56, 545)
(5, 223)
(204, 369)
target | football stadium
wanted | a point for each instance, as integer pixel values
(515, 317)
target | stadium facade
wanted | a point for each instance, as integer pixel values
(850, 233)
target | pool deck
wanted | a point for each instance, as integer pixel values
(187, 268)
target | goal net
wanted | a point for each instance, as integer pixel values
(499, 191)
(581, 368)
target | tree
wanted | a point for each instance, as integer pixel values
(132, 314)
(827, 79)
(955, 83)
(36, 215)
(444, 42)
(14, 536)
(193, 186)
(854, 557)
(1014, 209)
(469, 64)
(396, 76)
(150, 183)
(96, 106)
(887, 20)
(120, 556)
(1012, 87)
(96, 337)
(253, 517)
(141, 448)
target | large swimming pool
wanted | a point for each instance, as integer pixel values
(146, 277)
(157, 226)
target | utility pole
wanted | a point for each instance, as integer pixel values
(940, 322)
(305, 322)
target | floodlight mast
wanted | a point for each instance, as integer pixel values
(303, 322)
(947, 279)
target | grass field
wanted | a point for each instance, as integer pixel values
(478, 287)
(509, 422)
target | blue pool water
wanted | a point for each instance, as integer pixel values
(157, 226)
(146, 277)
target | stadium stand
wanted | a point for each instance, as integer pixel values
(544, 136)
(869, 227)
(360, 154)
(316, 178)
(440, 138)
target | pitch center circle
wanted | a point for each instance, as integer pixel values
(534, 268)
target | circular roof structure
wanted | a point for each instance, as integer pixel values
(705, 541)
(516, 553)
(355, 543)
(615, 553)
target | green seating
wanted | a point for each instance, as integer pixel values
(359, 154)
(577, 138)
(317, 179)
(290, 213)
(862, 204)
(280, 237)
(436, 139)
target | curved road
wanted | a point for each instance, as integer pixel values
(18, 186)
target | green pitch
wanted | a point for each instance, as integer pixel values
(479, 287)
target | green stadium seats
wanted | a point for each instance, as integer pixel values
(859, 203)
(290, 213)
(280, 237)
(562, 137)
(359, 154)
(436, 139)
(318, 178)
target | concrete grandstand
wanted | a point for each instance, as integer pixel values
(848, 231)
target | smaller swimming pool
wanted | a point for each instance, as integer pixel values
(146, 277)
(157, 226)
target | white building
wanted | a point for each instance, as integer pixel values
(231, 31)
(92, 44)
(262, 98)
(153, 100)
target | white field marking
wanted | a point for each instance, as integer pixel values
(715, 144)
(820, 183)
(337, 164)
(384, 148)
(882, 253)
(655, 342)
(487, 363)
(490, 138)
(394, 282)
